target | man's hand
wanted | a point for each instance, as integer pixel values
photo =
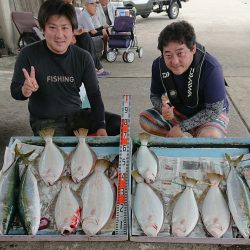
(30, 85)
(101, 132)
(104, 32)
(168, 112)
(79, 31)
(175, 131)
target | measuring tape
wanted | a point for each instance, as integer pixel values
(121, 225)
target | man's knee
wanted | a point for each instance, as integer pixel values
(211, 133)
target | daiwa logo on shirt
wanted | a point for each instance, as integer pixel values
(190, 82)
(64, 79)
(165, 74)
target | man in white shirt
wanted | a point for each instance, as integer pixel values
(105, 11)
(90, 22)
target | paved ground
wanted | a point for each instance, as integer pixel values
(222, 26)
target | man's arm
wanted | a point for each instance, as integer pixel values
(93, 92)
(209, 113)
(18, 77)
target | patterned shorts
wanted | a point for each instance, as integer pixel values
(153, 118)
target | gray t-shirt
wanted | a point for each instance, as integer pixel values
(88, 22)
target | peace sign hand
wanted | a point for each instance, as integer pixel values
(30, 85)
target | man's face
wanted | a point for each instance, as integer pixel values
(91, 8)
(178, 57)
(58, 34)
(104, 2)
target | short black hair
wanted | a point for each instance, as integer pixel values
(57, 7)
(181, 32)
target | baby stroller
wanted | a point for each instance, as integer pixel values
(27, 27)
(123, 36)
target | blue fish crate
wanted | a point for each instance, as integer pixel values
(106, 147)
(193, 157)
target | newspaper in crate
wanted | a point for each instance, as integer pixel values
(170, 171)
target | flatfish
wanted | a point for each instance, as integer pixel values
(67, 209)
(215, 212)
(83, 157)
(29, 202)
(51, 163)
(238, 197)
(148, 207)
(185, 213)
(146, 160)
(98, 199)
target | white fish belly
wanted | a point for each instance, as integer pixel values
(148, 210)
(5, 185)
(215, 212)
(98, 203)
(146, 164)
(51, 164)
(67, 211)
(81, 162)
(239, 204)
(33, 206)
(185, 214)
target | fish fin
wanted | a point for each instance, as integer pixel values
(47, 133)
(81, 132)
(201, 198)
(144, 138)
(94, 155)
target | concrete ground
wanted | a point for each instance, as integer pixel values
(221, 26)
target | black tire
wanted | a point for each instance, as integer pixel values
(173, 10)
(145, 15)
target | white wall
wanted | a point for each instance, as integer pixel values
(6, 27)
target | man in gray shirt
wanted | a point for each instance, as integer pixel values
(90, 22)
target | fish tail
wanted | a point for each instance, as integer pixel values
(189, 181)
(144, 138)
(24, 157)
(102, 164)
(215, 178)
(47, 133)
(138, 178)
(81, 132)
(66, 180)
(232, 161)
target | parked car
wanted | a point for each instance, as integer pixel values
(145, 7)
